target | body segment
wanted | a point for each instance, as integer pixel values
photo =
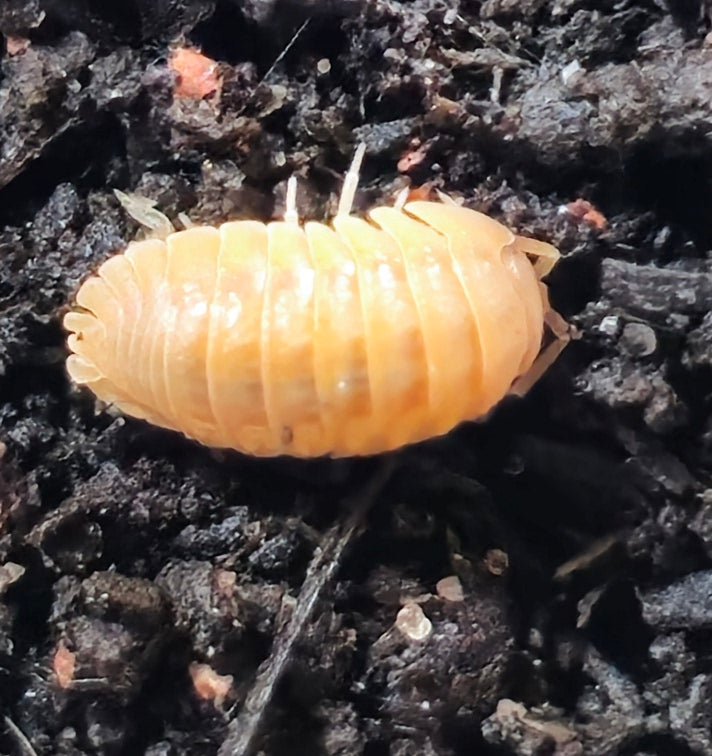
(345, 340)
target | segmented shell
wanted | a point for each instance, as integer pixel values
(281, 339)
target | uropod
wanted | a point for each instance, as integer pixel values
(310, 339)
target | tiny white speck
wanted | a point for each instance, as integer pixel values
(199, 309)
(568, 72)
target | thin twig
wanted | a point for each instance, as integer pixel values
(20, 737)
(287, 48)
(274, 65)
(245, 729)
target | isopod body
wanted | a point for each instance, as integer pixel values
(346, 339)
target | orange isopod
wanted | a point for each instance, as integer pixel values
(309, 340)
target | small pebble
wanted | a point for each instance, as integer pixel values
(496, 561)
(10, 573)
(609, 325)
(638, 340)
(569, 72)
(450, 588)
(412, 622)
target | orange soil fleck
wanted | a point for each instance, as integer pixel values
(64, 665)
(411, 159)
(198, 75)
(583, 210)
(16, 45)
(209, 685)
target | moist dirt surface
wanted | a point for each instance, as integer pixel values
(540, 583)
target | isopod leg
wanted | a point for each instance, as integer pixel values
(546, 254)
(348, 192)
(446, 199)
(290, 206)
(402, 198)
(562, 333)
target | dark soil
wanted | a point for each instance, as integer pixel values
(578, 520)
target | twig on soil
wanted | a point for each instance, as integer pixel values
(244, 730)
(20, 738)
(277, 61)
(287, 48)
